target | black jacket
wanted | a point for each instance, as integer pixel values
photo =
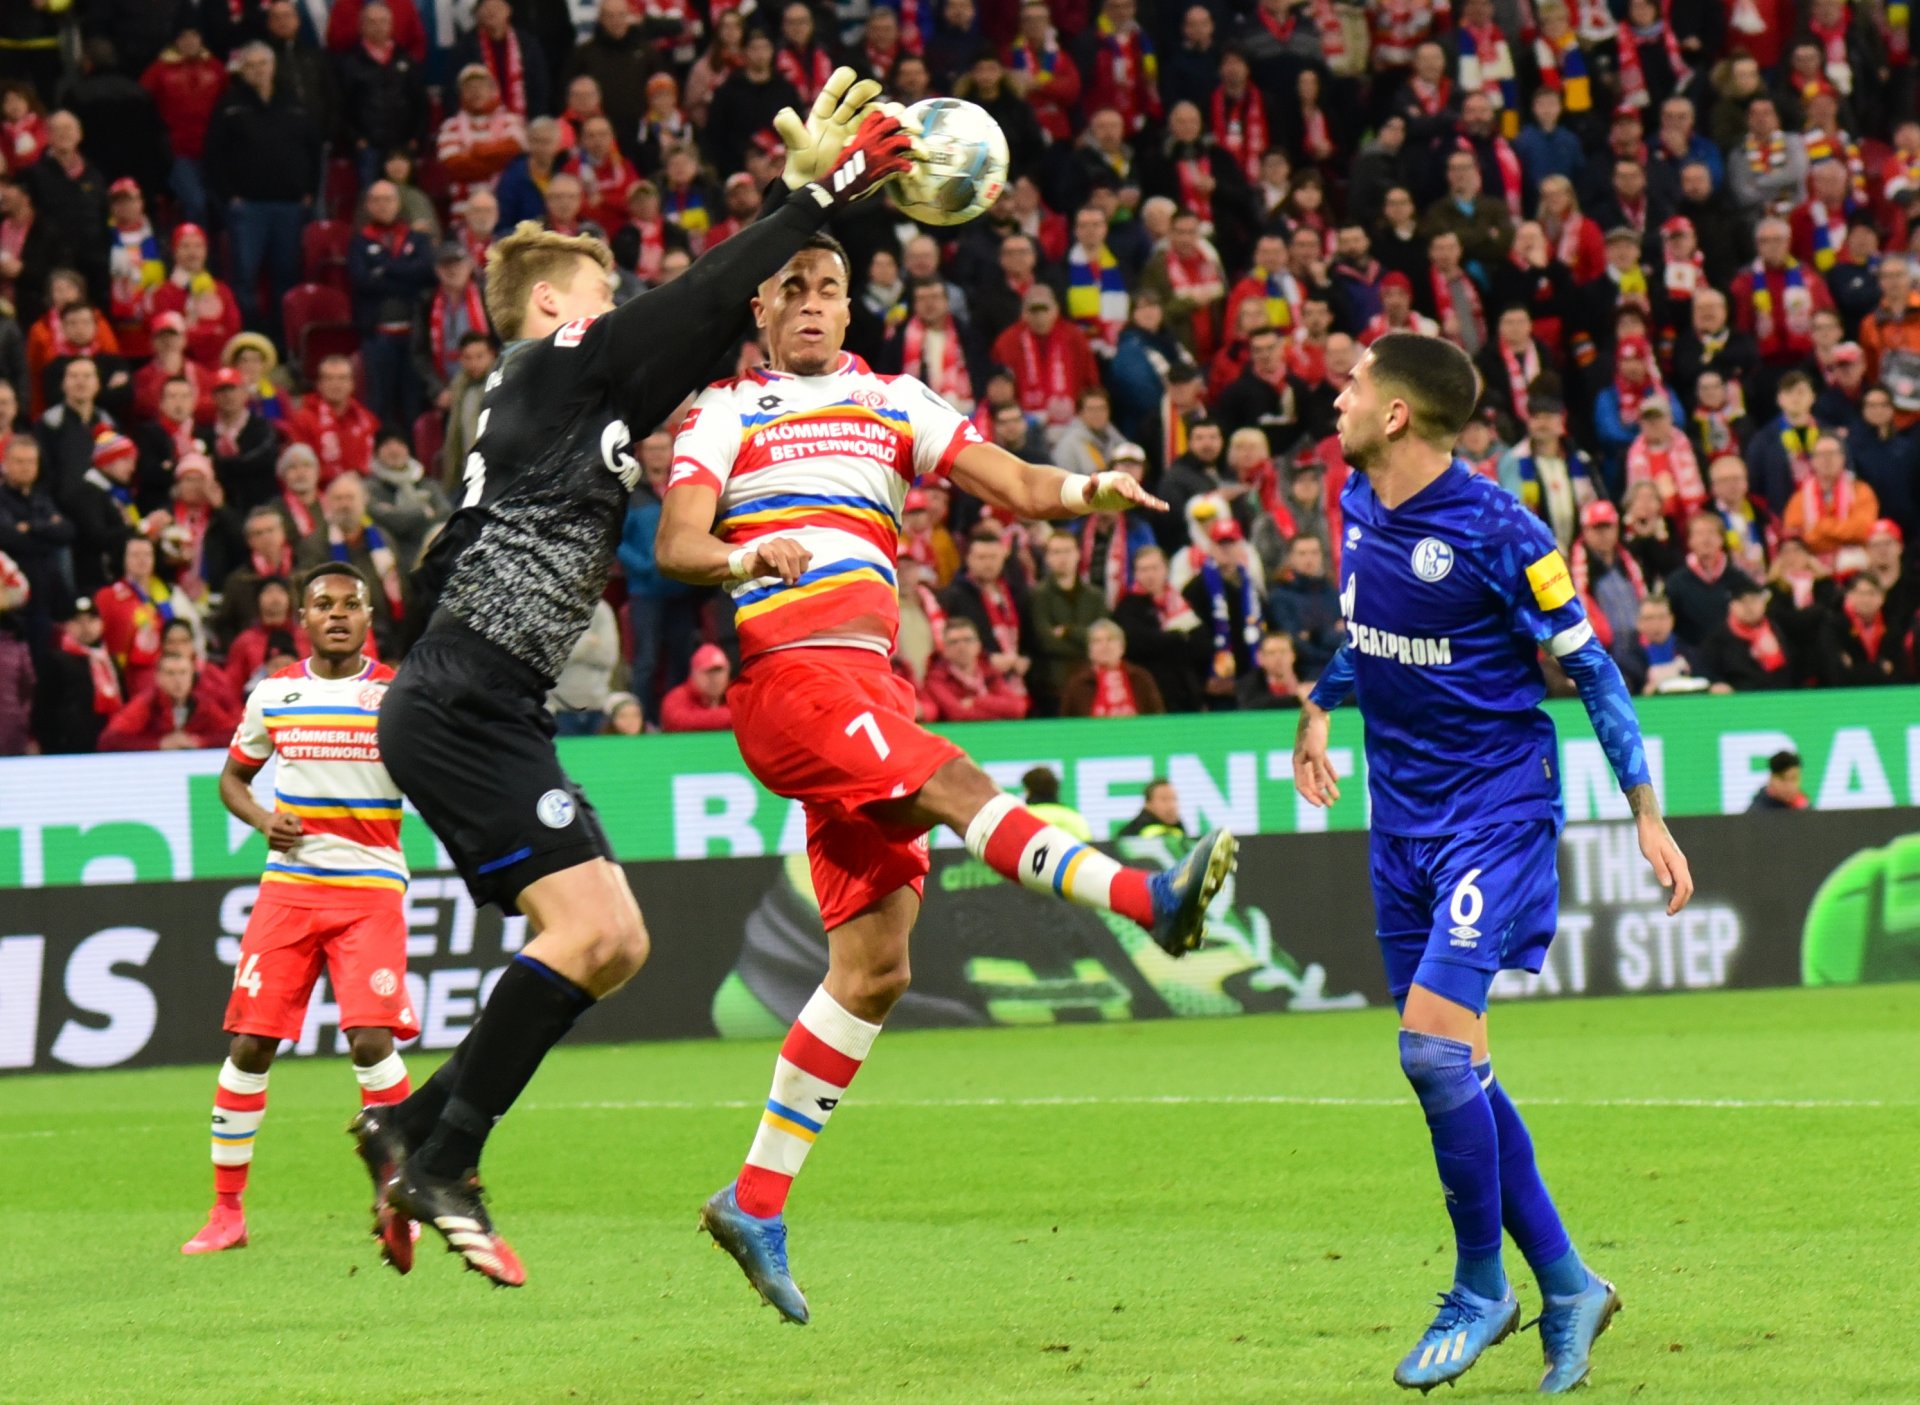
(1251, 401)
(1841, 660)
(1730, 661)
(68, 724)
(262, 150)
(389, 280)
(1699, 606)
(248, 475)
(533, 64)
(77, 208)
(383, 105)
(962, 600)
(1175, 659)
(621, 67)
(37, 535)
(100, 534)
(66, 451)
(741, 108)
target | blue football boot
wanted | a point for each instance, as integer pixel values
(1568, 1329)
(1466, 1325)
(1181, 894)
(759, 1247)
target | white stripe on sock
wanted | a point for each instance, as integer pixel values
(388, 1073)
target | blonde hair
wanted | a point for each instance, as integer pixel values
(533, 255)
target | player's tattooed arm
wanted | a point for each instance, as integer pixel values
(1657, 844)
(1643, 802)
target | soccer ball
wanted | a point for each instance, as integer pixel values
(966, 165)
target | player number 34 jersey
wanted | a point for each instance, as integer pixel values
(330, 775)
(826, 461)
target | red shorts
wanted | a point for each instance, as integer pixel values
(360, 935)
(835, 730)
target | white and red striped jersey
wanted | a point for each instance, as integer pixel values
(825, 461)
(330, 775)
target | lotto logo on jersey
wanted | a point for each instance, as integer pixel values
(1552, 586)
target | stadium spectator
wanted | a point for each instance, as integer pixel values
(1654, 659)
(1890, 335)
(243, 445)
(510, 55)
(1662, 456)
(1746, 654)
(71, 193)
(1159, 816)
(700, 703)
(1703, 587)
(578, 701)
(1224, 594)
(337, 427)
(383, 92)
(298, 502)
(78, 688)
(406, 503)
(983, 595)
(1162, 631)
(347, 533)
(37, 536)
(271, 606)
(624, 718)
(1063, 606)
(1775, 298)
(523, 183)
(168, 336)
(1855, 646)
(1042, 71)
(1782, 790)
(269, 556)
(390, 267)
(1273, 684)
(463, 396)
(346, 29)
(204, 540)
(133, 611)
(1049, 356)
(1107, 684)
(1304, 605)
(478, 142)
(932, 346)
(186, 83)
(16, 661)
(180, 711)
(263, 165)
(966, 684)
(619, 56)
(1752, 529)
(744, 104)
(1832, 510)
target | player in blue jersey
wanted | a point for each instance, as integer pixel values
(1450, 589)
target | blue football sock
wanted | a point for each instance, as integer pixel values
(1525, 1207)
(1466, 1148)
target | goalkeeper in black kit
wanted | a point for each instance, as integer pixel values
(506, 591)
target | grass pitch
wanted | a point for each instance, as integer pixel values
(1218, 1211)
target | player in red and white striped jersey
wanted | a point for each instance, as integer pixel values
(332, 893)
(788, 484)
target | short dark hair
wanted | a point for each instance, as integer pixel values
(1157, 783)
(1437, 379)
(985, 532)
(823, 240)
(331, 568)
(1042, 786)
(467, 339)
(1793, 380)
(1782, 762)
(267, 583)
(1092, 392)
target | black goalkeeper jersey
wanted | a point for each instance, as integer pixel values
(532, 545)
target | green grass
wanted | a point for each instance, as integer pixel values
(1222, 1245)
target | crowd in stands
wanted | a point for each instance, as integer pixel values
(243, 330)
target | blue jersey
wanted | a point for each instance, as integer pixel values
(1448, 599)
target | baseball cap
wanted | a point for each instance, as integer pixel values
(167, 322)
(1226, 530)
(737, 179)
(1655, 407)
(85, 606)
(192, 463)
(1679, 224)
(1886, 527)
(181, 231)
(1626, 112)
(1397, 280)
(916, 500)
(1128, 453)
(474, 70)
(229, 378)
(1849, 353)
(709, 656)
(126, 185)
(1599, 514)
(450, 252)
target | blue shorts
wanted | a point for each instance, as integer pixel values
(1452, 911)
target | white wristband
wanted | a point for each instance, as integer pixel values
(1075, 489)
(737, 562)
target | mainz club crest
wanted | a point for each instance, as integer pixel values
(371, 696)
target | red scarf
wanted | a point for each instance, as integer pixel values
(1443, 300)
(1003, 619)
(1814, 504)
(1433, 98)
(1113, 693)
(1761, 642)
(1333, 39)
(1315, 140)
(1044, 389)
(1633, 78)
(949, 379)
(304, 517)
(1511, 179)
(283, 567)
(1189, 169)
(1173, 611)
(334, 428)
(1869, 632)
(808, 71)
(1632, 396)
(1567, 246)
(193, 521)
(179, 435)
(1522, 370)
(653, 248)
(106, 682)
(1198, 279)
(1699, 567)
(1241, 130)
(1673, 470)
(1833, 46)
(392, 237)
(1265, 485)
(381, 54)
(437, 322)
(513, 80)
